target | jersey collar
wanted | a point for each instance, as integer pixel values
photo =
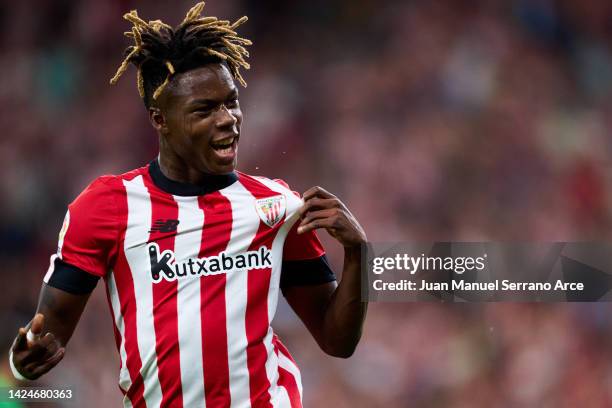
(212, 182)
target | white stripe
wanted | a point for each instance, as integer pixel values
(272, 369)
(277, 259)
(281, 398)
(124, 375)
(292, 215)
(62, 234)
(293, 201)
(51, 268)
(60, 246)
(187, 245)
(136, 236)
(245, 224)
(286, 363)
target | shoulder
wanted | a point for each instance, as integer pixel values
(275, 184)
(103, 192)
(111, 183)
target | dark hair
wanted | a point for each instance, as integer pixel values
(160, 51)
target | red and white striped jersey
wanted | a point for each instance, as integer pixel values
(192, 281)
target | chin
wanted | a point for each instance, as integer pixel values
(223, 168)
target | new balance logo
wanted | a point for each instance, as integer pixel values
(164, 265)
(162, 225)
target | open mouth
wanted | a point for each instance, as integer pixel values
(225, 145)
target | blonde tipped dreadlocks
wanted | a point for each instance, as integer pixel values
(160, 51)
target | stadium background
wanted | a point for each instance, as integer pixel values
(477, 120)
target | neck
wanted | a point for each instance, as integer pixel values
(204, 184)
(177, 170)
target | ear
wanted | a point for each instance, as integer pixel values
(157, 120)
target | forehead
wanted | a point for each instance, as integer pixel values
(212, 81)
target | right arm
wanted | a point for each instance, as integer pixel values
(56, 317)
(86, 242)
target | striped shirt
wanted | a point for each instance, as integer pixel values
(192, 279)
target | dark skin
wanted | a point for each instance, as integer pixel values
(198, 119)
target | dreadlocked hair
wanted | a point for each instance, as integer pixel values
(160, 51)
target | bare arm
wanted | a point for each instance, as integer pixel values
(56, 317)
(333, 313)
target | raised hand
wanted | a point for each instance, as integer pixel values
(322, 209)
(35, 354)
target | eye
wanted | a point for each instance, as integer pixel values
(232, 103)
(202, 111)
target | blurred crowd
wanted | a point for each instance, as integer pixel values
(453, 120)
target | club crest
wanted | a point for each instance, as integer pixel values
(271, 209)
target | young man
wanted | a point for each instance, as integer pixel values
(193, 252)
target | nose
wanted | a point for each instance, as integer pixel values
(225, 118)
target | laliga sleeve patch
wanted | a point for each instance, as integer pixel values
(72, 279)
(306, 272)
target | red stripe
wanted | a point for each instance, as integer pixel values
(286, 379)
(257, 319)
(165, 319)
(125, 290)
(279, 346)
(216, 233)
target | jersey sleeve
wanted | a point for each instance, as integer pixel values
(89, 235)
(304, 260)
(300, 246)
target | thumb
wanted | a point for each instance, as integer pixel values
(37, 324)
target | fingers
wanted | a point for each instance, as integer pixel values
(50, 363)
(41, 349)
(33, 353)
(315, 215)
(21, 343)
(33, 365)
(47, 343)
(322, 209)
(35, 369)
(318, 204)
(328, 222)
(317, 192)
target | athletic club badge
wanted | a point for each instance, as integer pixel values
(271, 209)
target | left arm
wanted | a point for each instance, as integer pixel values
(333, 313)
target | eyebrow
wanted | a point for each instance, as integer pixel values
(204, 101)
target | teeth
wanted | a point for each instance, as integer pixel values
(225, 143)
(225, 146)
